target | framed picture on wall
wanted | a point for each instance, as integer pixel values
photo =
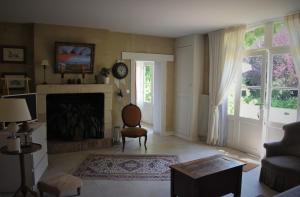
(74, 57)
(15, 80)
(13, 54)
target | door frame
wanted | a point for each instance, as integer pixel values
(160, 60)
(237, 119)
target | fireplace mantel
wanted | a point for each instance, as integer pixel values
(44, 90)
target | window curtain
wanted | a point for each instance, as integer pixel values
(293, 25)
(225, 55)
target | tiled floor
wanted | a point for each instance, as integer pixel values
(186, 151)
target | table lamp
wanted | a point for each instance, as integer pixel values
(45, 64)
(13, 110)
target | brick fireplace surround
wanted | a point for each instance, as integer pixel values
(61, 146)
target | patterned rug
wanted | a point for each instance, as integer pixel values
(127, 167)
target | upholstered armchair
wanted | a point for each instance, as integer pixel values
(281, 167)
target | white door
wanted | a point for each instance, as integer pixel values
(251, 103)
(266, 94)
(183, 91)
(144, 83)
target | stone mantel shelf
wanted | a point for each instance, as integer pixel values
(73, 88)
(44, 89)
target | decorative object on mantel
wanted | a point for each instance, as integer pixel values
(103, 76)
(12, 111)
(15, 81)
(127, 167)
(75, 57)
(62, 72)
(82, 74)
(13, 54)
(45, 64)
(120, 70)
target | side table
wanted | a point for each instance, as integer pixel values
(24, 150)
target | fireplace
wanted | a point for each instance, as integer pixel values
(75, 117)
(78, 96)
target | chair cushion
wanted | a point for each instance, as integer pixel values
(294, 192)
(133, 132)
(289, 164)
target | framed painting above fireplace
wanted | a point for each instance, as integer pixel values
(74, 57)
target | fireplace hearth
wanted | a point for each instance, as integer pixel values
(75, 116)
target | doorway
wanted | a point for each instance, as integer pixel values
(159, 85)
(265, 95)
(144, 91)
(250, 102)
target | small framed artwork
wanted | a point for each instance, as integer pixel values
(13, 54)
(74, 57)
(15, 80)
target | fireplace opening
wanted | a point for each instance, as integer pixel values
(75, 117)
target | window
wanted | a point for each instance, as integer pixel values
(251, 87)
(284, 92)
(280, 35)
(267, 45)
(255, 39)
(148, 76)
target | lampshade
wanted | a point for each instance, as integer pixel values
(14, 110)
(45, 63)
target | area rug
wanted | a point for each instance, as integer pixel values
(248, 164)
(127, 167)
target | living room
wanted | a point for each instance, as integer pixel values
(188, 84)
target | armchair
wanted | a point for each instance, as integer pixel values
(280, 169)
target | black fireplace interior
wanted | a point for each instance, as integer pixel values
(75, 117)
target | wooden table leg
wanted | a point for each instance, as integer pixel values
(238, 188)
(172, 183)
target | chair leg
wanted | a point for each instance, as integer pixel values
(145, 142)
(140, 141)
(78, 191)
(123, 141)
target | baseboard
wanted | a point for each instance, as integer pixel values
(167, 133)
(186, 138)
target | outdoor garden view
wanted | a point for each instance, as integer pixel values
(283, 81)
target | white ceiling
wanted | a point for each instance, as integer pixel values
(171, 18)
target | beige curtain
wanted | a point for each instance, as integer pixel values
(293, 25)
(225, 50)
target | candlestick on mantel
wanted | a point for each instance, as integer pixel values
(83, 73)
(62, 72)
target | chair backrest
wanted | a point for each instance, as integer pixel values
(292, 138)
(292, 133)
(131, 115)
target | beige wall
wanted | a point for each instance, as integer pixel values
(17, 35)
(39, 41)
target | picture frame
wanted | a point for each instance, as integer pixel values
(15, 81)
(13, 54)
(74, 57)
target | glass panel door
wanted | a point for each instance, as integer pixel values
(251, 87)
(250, 103)
(284, 90)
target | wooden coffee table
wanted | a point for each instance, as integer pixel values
(212, 176)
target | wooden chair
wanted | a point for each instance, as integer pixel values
(131, 116)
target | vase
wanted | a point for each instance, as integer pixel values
(106, 80)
